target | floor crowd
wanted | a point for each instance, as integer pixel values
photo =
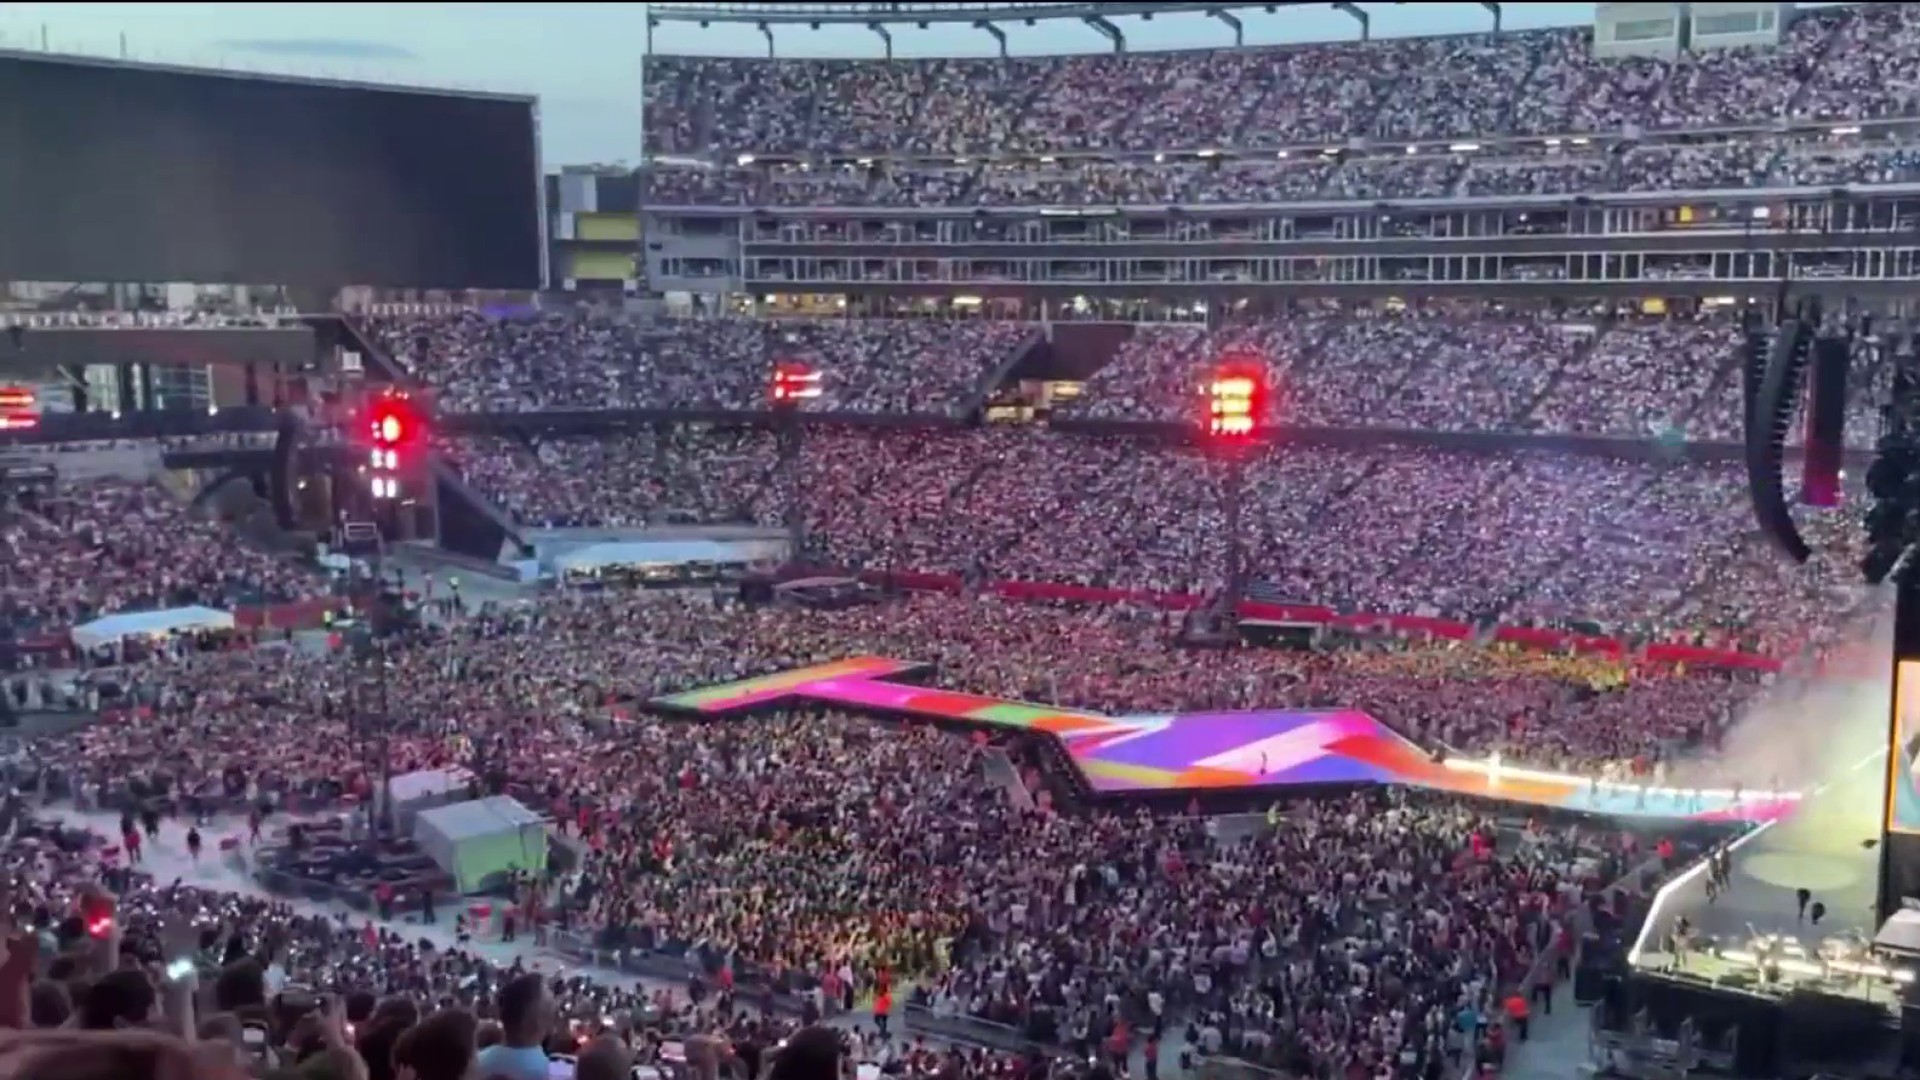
(838, 859)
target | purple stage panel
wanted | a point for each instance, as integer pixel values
(1299, 747)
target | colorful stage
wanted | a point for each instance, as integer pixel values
(1216, 751)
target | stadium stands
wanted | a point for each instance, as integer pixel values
(815, 866)
(485, 364)
(1544, 116)
(101, 547)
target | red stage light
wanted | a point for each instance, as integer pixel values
(392, 422)
(1236, 401)
(19, 408)
(794, 383)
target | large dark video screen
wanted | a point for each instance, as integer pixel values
(115, 173)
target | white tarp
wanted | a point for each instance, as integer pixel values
(668, 553)
(481, 841)
(113, 628)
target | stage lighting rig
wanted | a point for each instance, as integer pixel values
(395, 431)
(793, 383)
(1236, 400)
(1232, 422)
(19, 408)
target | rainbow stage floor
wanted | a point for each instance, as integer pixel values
(1218, 751)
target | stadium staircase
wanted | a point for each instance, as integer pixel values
(1791, 108)
(1013, 360)
(1602, 326)
(1074, 351)
(702, 126)
(1449, 525)
(470, 524)
(1729, 369)
(1000, 771)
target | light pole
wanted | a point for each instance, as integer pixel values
(1232, 426)
(396, 435)
(793, 383)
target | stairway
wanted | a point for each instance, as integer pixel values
(349, 332)
(1578, 358)
(978, 398)
(1000, 771)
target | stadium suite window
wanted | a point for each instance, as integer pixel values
(1732, 22)
(1644, 29)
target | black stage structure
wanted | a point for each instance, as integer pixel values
(1796, 950)
(144, 173)
(1739, 980)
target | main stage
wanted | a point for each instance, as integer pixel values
(1217, 751)
(1758, 979)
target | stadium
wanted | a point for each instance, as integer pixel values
(1379, 558)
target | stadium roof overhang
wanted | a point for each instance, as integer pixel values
(982, 16)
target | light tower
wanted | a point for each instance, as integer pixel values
(1233, 423)
(793, 383)
(395, 433)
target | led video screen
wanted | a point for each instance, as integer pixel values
(114, 173)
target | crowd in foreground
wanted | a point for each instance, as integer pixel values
(831, 859)
(111, 974)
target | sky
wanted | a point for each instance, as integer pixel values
(583, 60)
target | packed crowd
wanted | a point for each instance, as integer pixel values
(78, 551)
(1536, 537)
(772, 851)
(1851, 63)
(110, 974)
(660, 477)
(1530, 84)
(603, 360)
(1465, 367)
(1497, 170)
(277, 725)
(1476, 368)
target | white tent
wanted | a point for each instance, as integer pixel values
(480, 841)
(410, 793)
(668, 553)
(113, 628)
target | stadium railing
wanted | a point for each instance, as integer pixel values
(970, 1030)
(1232, 1068)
